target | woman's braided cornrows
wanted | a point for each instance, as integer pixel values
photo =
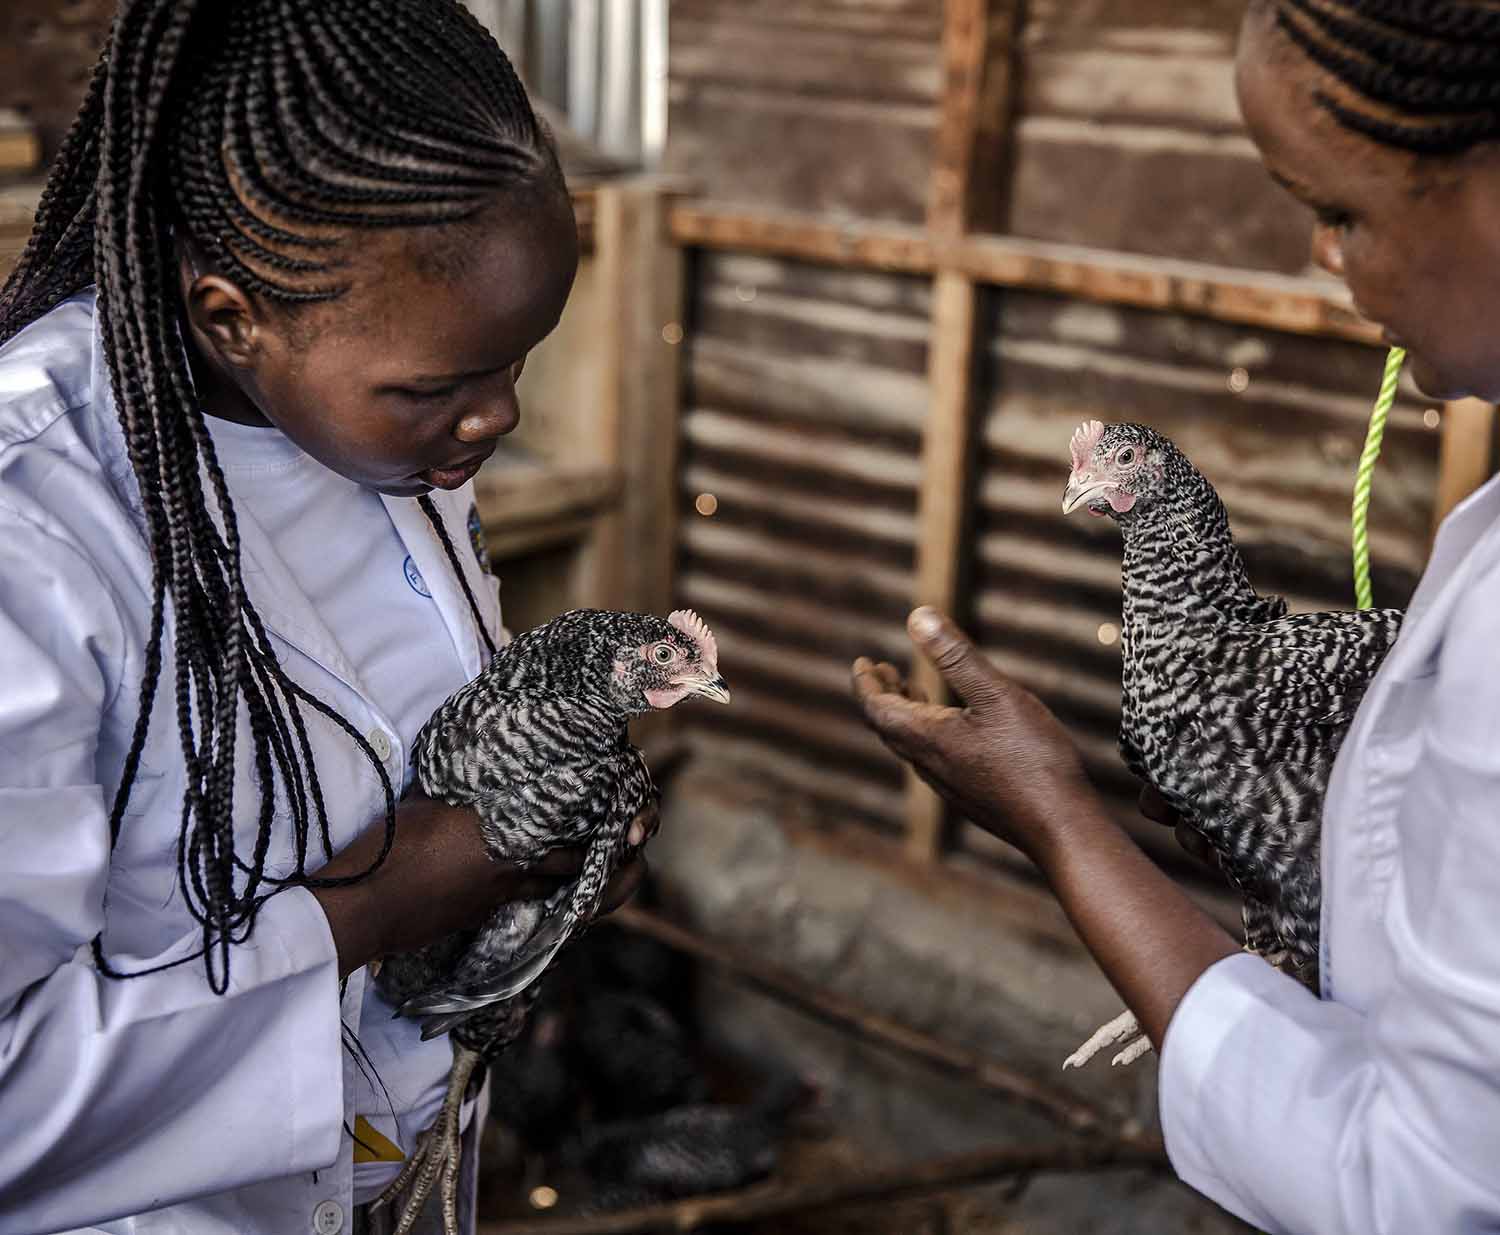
(1427, 70)
(266, 131)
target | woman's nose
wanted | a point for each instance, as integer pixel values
(1328, 249)
(493, 416)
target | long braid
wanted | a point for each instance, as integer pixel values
(435, 519)
(267, 133)
(1425, 73)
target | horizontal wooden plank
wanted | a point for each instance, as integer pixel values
(1287, 303)
(819, 455)
(878, 531)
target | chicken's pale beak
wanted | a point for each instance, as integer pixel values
(715, 688)
(1082, 487)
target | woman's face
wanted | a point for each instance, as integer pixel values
(1417, 240)
(407, 381)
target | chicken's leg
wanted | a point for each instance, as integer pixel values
(1123, 1027)
(437, 1155)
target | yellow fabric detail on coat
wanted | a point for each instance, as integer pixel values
(371, 1146)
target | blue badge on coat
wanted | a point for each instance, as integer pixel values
(414, 577)
(476, 539)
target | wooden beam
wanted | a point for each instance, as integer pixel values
(942, 508)
(1294, 304)
(1465, 461)
(630, 561)
(978, 74)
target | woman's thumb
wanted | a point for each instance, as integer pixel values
(949, 649)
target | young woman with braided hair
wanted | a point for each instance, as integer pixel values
(1376, 1109)
(287, 268)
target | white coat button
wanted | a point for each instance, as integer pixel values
(328, 1217)
(379, 743)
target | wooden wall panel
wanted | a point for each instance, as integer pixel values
(827, 106)
(802, 418)
(1128, 137)
(47, 50)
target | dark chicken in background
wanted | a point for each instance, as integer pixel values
(610, 1121)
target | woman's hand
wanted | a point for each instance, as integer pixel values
(439, 878)
(1156, 808)
(1002, 759)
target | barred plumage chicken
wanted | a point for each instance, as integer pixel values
(538, 745)
(1232, 709)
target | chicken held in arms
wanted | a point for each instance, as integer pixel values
(538, 745)
(1232, 709)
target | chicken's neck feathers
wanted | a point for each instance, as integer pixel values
(1181, 565)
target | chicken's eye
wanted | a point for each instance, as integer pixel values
(663, 653)
(1126, 457)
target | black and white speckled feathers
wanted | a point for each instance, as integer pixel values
(538, 746)
(1233, 709)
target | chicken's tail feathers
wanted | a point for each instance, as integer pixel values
(566, 919)
(536, 954)
(434, 1026)
(445, 1007)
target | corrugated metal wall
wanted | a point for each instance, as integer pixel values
(801, 417)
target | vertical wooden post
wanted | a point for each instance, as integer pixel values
(1467, 451)
(942, 508)
(978, 41)
(979, 38)
(630, 559)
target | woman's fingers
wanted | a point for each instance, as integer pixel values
(1155, 807)
(625, 882)
(644, 826)
(962, 665)
(1193, 843)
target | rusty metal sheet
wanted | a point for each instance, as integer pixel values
(828, 106)
(1128, 137)
(801, 431)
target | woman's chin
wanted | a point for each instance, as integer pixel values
(1445, 385)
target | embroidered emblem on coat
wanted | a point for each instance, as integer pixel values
(476, 539)
(414, 577)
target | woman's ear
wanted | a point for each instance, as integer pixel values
(223, 316)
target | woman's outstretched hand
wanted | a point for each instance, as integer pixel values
(1000, 758)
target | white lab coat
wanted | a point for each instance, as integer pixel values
(1376, 1111)
(224, 1115)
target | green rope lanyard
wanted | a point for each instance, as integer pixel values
(1364, 595)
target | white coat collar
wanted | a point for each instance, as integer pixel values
(430, 559)
(1468, 541)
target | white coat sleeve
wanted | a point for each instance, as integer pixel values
(1307, 1116)
(121, 1096)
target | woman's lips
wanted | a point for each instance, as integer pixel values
(452, 477)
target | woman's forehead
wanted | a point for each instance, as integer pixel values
(1301, 142)
(499, 291)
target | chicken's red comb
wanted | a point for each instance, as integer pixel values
(1085, 438)
(696, 629)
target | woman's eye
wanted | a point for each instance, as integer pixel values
(1337, 220)
(430, 396)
